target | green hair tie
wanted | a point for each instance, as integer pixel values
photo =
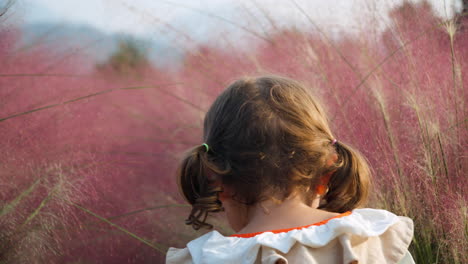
(206, 147)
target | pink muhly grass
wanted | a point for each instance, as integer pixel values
(99, 155)
(94, 177)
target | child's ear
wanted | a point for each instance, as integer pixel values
(216, 182)
(226, 193)
(332, 160)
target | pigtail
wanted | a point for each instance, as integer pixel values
(348, 187)
(197, 188)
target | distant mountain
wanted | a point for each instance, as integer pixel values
(95, 44)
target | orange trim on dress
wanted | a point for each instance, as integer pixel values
(247, 235)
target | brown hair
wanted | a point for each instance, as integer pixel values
(268, 135)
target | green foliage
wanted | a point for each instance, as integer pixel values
(128, 60)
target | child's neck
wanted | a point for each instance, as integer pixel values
(290, 213)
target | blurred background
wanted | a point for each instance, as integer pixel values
(99, 100)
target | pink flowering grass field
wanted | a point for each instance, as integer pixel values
(88, 157)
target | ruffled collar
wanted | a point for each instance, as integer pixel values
(216, 248)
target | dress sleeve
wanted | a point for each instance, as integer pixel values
(178, 256)
(407, 259)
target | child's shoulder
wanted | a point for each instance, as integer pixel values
(350, 236)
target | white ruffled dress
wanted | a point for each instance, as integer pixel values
(360, 236)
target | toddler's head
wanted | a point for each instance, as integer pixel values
(268, 138)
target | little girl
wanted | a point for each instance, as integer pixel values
(289, 188)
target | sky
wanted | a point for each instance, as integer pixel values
(201, 17)
(171, 27)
